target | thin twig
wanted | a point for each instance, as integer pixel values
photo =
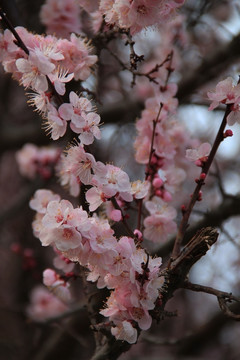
(195, 196)
(209, 290)
(222, 296)
(155, 121)
(225, 309)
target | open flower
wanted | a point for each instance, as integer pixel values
(34, 70)
(226, 93)
(200, 154)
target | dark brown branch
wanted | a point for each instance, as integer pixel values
(175, 275)
(111, 350)
(134, 57)
(223, 305)
(8, 25)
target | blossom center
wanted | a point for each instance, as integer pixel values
(141, 9)
(67, 233)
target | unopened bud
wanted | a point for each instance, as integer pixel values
(183, 208)
(228, 133)
(158, 193)
(157, 182)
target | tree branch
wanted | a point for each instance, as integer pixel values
(177, 271)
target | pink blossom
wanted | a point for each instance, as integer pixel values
(137, 14)
(76, 57)
(226, 92)
(125, 331)
(57, 286)
(83, 121)
(89, 129)
(157, 228)
(55, 124)
(44, 305)
(108, 182)
(26, 159)
(62, 263)
(167, 134)
(201, 153)
(113, 180)
(59, 213)
(41, 200)
(142, 147)
(40, 100)
(107, 8)
(140, 189)
(78, 163)
(33, 160)
(61, 225)
(49, 277)
(59, 78)
(95, 197)
(116, 215)
(234, 115)
(73, 111)
(160, 222)
(9, 52)
(7, 46)
(142, 317)
(34, 70)
(64, 237)
(67, 178)
(101, 240)
(61, 17)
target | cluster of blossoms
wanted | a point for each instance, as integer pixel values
(47, 56)
(78, 167)
(120, 265)
(128, 14)
(33, 161)
(62, 17)
(163, 170)
(50, 63)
